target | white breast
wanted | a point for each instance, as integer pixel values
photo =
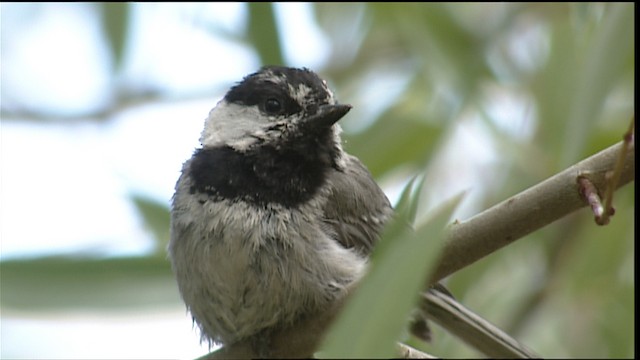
(241, 268)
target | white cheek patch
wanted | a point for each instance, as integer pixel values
(233, 125)
(240, 127)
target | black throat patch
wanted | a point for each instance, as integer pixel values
(262, 175)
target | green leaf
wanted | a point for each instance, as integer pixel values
(55, 283)
(408, 204)
(116, 25)
(263, 33)
(156, 217)
(374, 318)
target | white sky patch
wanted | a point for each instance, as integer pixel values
(309, 48)
(136, 334)
(511, 111)
(382, 91)
(67, 187)
(58, 195)
(146, 146)
(166, 49)
(57, 46)
(461, 166)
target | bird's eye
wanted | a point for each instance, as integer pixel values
(272, 106)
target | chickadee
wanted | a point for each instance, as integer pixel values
(271, 220)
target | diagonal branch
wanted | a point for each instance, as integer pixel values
(530, 210)
(473, 329)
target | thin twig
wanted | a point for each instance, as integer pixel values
(407, 352)
(627, 143)
(590, 195)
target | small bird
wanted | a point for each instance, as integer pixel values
(273, 222)
(271, 219)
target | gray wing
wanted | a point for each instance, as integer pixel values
(357, 209)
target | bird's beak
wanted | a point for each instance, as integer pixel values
(326, 116)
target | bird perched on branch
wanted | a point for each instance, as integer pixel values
(271, 220)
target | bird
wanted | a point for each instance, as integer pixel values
(271, 220)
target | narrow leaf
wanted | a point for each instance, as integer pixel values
(378, 312)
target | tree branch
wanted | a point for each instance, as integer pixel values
(530, 210)
(471, 328)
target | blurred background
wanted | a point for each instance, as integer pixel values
(101, 104)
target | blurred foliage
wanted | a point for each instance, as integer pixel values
(116, 25)
(566, 290)
(263, 32)
(65, 283)
(156, 217)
